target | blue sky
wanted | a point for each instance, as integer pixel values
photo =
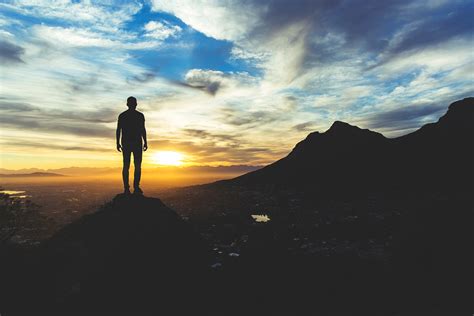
(221, 81)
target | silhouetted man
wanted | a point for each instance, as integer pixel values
(132, 125)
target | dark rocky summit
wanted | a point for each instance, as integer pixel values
(133, 254)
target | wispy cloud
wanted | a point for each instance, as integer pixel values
(10, 53)
(161, 30)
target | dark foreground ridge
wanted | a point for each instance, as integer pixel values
(136, 255)
(133, 254)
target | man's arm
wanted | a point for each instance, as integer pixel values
(117, 135)
(145, 145)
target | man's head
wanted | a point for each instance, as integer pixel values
(132, 103)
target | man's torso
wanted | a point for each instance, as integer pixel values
(131, 122)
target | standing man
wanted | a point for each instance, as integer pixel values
(131, 124)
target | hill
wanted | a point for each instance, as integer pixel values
(133, 254)
(33, 174)
(94, 171)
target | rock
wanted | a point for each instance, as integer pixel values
(135, 253)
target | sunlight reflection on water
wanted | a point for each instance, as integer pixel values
(17, 194)
(260, 218)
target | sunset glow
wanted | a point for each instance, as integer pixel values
(168, 158)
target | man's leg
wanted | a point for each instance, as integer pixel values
(126, 167)
(137, 162)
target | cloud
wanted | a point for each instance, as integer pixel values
(447, 56)
(142, 78)
(288, 40)
(72, 37)
(6, 105)
(202, 146)
(161, 30)
(434, 29)
(406, 117)
(238, 52)
(27, 117)
(102, 115)
(207, 80)
(86, 129)
(305, 127)
(249, 119)
(42, 145)
(212, 81)
(105, 16)
(10, 53)
(213, 138)
(215, 154)
(229, 20)
(346, 96)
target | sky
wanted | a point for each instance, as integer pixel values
(224, 82)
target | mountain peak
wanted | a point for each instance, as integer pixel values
(461, 104)
(462, 109)
(339, 125)
(459, 115)
(343, 129)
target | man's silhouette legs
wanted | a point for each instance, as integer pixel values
(126, 166)
(137, 161)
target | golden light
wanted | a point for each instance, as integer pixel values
(168, 158)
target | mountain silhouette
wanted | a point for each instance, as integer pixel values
(346, 157)
(427, 175)
(133, 254)
(440, 153)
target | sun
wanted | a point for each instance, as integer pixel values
(168, 158)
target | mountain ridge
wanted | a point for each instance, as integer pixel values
(348, 156)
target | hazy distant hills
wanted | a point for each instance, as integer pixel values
(91, 171)
(347, 157)
(33, 174)
(60, 171)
